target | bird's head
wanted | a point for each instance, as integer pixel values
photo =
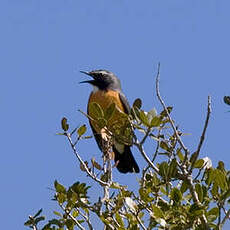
(103, 80)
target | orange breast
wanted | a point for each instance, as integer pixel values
(105, 99)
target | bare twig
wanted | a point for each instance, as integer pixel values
(227, 216)
(140, 222)
(141, 149)
(167, 112)
(203, 133)
(87, 220)
(158, 145)
(186, 175)
(205, 125)
(72, 218)
(83, 163)
(196, 200)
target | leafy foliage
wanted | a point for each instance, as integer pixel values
(182, 191)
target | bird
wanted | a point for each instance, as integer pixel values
(106, 91)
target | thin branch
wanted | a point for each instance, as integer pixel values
(87, 220)
(227, 216)
(203, 133)
(168, 115)
(140, 148)
(145, 136)
(196, 200)
(158, 145)
(83, 163)
(187, 176)
(72, 218)
(140, 222)
(205, 125)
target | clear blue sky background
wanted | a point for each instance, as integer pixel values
(44, 44)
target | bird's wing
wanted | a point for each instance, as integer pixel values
(124, 102)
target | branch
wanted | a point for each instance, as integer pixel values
(168, 115)
(71, 217)
(196, 200)
(203, 133)
(227, 216)
(187, 176)
(83, 163)
(86, 219)
(140, 148)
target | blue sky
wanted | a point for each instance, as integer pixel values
(44, 45)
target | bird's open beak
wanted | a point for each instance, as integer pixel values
(88, 81)
(87, 73)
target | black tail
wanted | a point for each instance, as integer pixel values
(125, 161)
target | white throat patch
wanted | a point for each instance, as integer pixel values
(95, 89)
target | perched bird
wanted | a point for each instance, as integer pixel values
(106, 91)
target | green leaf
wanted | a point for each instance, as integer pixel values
(176, 195)
(199, 191)
(165, 146)
(64, 124)
(61, 198)
(53, 222)
(196, 210)
(119, 220)
(38, 219)
(213, 214)
(221, 166)
(164, 113)
(38, 213)
(184, 187)
(157, 212)
(95, 110)
(144, 118)
(144, 194)
(81, 130)
(29, 222)
(173, 169)
(110, 111)
(199, 163)
(116, 185)
(75, 213)
(80, 188)
(137, 103)
(59, 187)
(180, 155)
(57, 213)
(95, 164)
(210, 176)
(156, 121)
(163, 169)
(82, 166)
(221, 180)
(214, 190)
(70, 224)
